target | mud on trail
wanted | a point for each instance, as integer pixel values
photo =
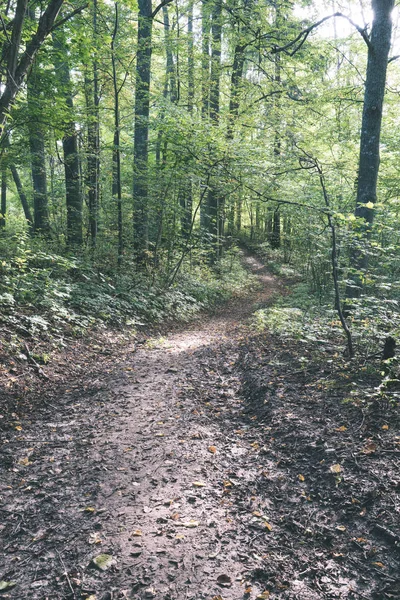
(208, 464)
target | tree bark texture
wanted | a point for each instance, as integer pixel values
(141, 135)
(368, 169)
(70, 151)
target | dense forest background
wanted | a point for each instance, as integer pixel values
(141, 143)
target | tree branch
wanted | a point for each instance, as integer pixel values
(68, 17)
(159, 7)
(303, 35)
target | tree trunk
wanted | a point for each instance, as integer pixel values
(19, 63)
(205, 57)
(93, 136)
(116, 185)
(141, 136)
(236, 78)
(22, 197)
(213, 195)
(374, 93)
(3, 203)
(70, 151)
(38, 156)
(186, 189)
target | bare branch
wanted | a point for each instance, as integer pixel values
(68, 17)
(303, 35)
(159, 7)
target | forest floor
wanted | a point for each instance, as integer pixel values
(207, 464)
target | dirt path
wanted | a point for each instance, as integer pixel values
(202, 464)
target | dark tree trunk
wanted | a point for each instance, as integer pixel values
(93, 137)
(116, 184)
(22, 197)
(205, 57)
(70, 151)
(368, 169)
(38, 156)
(276, 224)
(3, 203)
(141, 136)
(186, 191)
(236, 78)
(212, 219)
(18, 64)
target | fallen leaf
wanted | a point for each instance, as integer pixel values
(94, 538)
(103, 561)
(7, 585)
(341, 528)
(199, 484)
(89, 509)
(224, 580)
(341, 428)
(385, 427)
(301, 477)
(175, 516)
(18, 428)
(212, 449)
(263, 596)
(361, 540)
(336, 468)
(191, 523)
(24, 461)
(137, 533)
(379, 564)
(268, 525)
(369, 448)
(217, 598)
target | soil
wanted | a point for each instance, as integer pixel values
(209, 463)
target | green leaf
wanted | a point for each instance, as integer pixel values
(7, 585)
(103, 561)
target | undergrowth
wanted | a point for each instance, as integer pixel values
(45, 294)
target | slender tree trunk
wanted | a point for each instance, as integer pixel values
(3, 203)
(70, 150)
(213, 195)
(93, 141)
(276, 223)
(38, 156)
(205, 57)
(186, 189)
(22, 197)
(368, 169)
(19, 63)
(116, 186)
(141, 136)
(236, 78)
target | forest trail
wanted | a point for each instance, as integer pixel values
(201, 464)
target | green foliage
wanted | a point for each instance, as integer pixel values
(46, 293)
